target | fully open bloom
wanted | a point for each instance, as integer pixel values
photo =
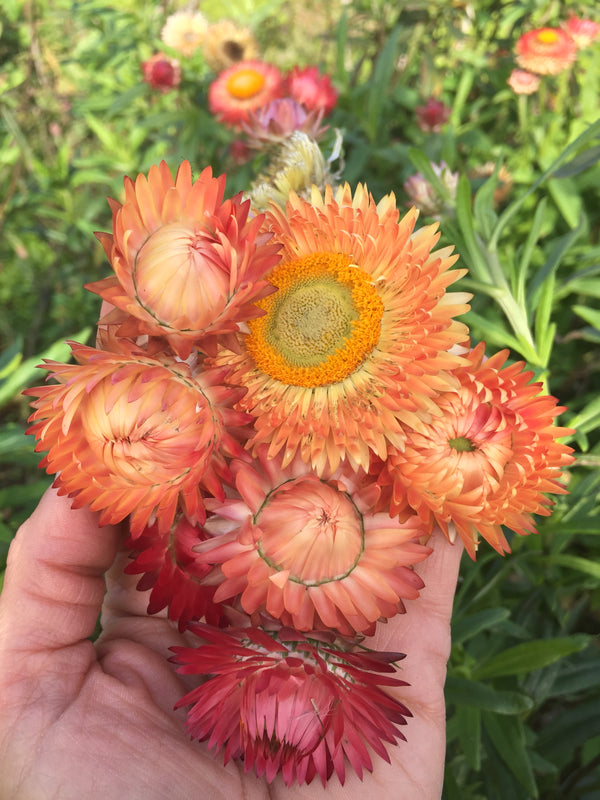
(582, 31)
(488, 459)
(128, 433)
(243, 87)
(312, 90)
(161, 72)
(546, 51)
(355, 343)
(311, 552)
(288, 702)
(187, 262)
(432, 115)
(170, 570)
(227, 43)
(185, 31)
(523, 82)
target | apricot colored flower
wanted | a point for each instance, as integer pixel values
(161, 72)
(131, 434)
(227, 43)
(582, 31)
(312, 90)
(546, 51)
(312, 552)
(187, 263)
(523, 82)
(170, 570)
(354, 344)
(243, 87)
(488, 459)
(185, 31)
(288, 702)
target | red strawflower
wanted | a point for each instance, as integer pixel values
(432, 115)
(161, 72)
(312, 90)
(288, 702)
(244, 87)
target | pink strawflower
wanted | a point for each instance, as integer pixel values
(161, 72)
(312, 90)
(546, 51)
(432, 115)
(279, 119)
(582, 31)
(523, 82)
(299, 704)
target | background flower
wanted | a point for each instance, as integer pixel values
(227, 43)
(244, 87)
(546, 51)
(523, 82)
(432, 115)
(161, 72)
(185, 31)
(312, 90)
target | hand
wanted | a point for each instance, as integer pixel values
(96, 721)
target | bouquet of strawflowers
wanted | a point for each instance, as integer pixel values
(282, 406)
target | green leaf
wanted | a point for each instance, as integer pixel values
(469, 734)
(579, 164)
(523, 658)
(385, 67)
(467, 627)
(577, 562)
(508, 737)
(590, 315)
(568, 199)
(461, 691)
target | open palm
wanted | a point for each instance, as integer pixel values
(83, 720)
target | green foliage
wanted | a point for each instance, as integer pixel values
(523, 686)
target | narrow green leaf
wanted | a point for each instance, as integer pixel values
(579, 164)
(568, 199)
(492, 332)
(590, 315)
(508, 737)
(467, 627)
(469, 734)
(577, 562)
(382, 74)
(523, 658)
(461, 691)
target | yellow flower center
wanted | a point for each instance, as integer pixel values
(245, 83)
(547, 36)
(321, 324)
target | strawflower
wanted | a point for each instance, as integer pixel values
(432, 115)
(187, 263)
(546, 51)
(276, 121)
(289, 702)
(244, 87)
(312, 552)
(355, 343)
(312, 90)
(582, 31)
(488, 460)
(523, 82)
(424, 196)
(185, 31)
(161, 72)
(132, 434)
(227, 43)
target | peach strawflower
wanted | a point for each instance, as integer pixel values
(132, 434)
(227, 43)
(187, 263)
(304, 705)
(161, 72)
(311, 552)
(546, 51)
(170, 570)
(355, 343)
(488, 460)
(582, 31)
(185, 31)
(312, 90)
(523, 82)
(244, 87)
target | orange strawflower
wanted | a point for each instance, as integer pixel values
(546, 51)
(131, 434)
(312, 552)
(355, 343)
(245, 86)
(487, 460)
(187, 263)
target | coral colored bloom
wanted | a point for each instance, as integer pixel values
(354, 345)
(432, 115)
(546, 51)
(244, 87)
(226, 44)
(187, 262)
(185, 31)
(582, 31)
(171, 571)
(523, 82)
(312, 90)
(488, 459)
(311, 552)
(127, 433)
(285, 702)
(161, 72)
(279, 119)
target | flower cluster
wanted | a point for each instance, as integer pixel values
(283, 406)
